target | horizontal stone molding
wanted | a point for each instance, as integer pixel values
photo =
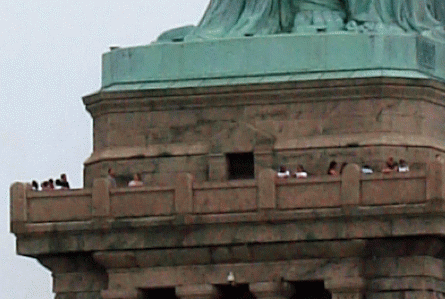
(229, 253)
(126, 235)
(315, 88)
(364, 140)
(244, 273)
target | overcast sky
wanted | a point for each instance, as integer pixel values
(50, 56)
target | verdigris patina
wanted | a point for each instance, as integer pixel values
(439, 10)
(228, 18)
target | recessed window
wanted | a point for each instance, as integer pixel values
(239, 291)
(240, 166)
(164, 293)
(310, 290)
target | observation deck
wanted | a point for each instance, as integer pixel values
(345, 231)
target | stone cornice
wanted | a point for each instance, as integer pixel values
(316, 90)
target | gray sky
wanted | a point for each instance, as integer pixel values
(50, 56)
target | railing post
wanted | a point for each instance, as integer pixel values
(267, 198)
(350, 186)
(263, 158)
(101, 206)
(18, 207)
(184, 193)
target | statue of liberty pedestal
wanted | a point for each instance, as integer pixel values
(248, 40)
(229, 18)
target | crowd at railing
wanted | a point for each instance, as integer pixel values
(390, 166)
(63, 184)
(48, 185)
(283, 172)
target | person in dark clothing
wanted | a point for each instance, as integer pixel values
(332, 170)
(390, 166)
(63, 182)
(51, 184)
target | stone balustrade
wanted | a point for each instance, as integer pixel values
(224, 201)
(185, 238)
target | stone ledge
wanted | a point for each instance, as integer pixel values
(370, 212)
(267, 232)
(362, 140)
(294, 270)
(412, 283)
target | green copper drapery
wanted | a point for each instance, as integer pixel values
(409, 15)
(232, 18)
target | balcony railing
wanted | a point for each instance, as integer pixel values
(186, 201)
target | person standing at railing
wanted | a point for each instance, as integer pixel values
(63, 182)
(366, 169)
(300, 173)
(137, 181)
(332, 170)
(51, 184)
(390, 166)
(45, 186)
(283, 173)
(111, 178)
(403, 167)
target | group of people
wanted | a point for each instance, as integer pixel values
(390, 166)
(136, 182)
(299, 173)
(60, 183)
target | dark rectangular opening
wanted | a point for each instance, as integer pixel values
(238, 291)
(311, 289)
(156, 293)
(240, 166)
